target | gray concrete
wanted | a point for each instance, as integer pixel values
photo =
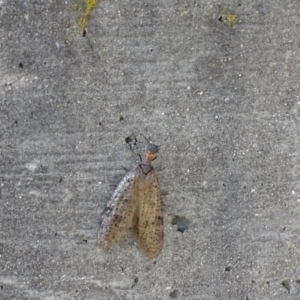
(223, 102)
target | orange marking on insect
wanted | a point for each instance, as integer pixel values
(150, 156)
(136, 203)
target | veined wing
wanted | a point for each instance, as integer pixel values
(150, 218)
(117, 217)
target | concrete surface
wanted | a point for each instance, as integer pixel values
(223, 101)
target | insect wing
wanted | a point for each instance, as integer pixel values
(119, 212)
(150, 219)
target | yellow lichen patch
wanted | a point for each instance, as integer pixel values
(227, 16)
(76, 6)
(89, 5)
(231, 18)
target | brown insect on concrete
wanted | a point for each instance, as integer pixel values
(136, 203)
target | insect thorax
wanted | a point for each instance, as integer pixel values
(145, 168)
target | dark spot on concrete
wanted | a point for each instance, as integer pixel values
(174, 294)
(132, 140)
(136, 280)
(287, 284)
(182, 222)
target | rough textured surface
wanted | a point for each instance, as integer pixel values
(223, 102)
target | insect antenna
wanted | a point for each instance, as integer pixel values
(149, 142)
(152, 149)
(132, 141)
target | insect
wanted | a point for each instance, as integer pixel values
(136, 203)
